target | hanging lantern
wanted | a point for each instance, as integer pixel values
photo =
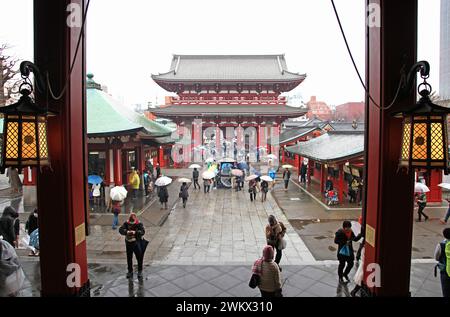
(425, 139)
(24, 130)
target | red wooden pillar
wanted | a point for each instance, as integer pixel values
(161, 160)
(283, 154)
(29, 176)
(117, 167)
(107, 165)
(322, 178)
(389, 193)
(61, 190)
(341, 184)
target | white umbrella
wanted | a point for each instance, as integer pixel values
(251, 177)
(444, 185)
(356, 227)
(421, 188)
(163, 181)
(184, 180)
(287, 166)
(118, 193)
(227, 160)
(237, 172)
(209, 160)
(194, 166)
(272, 156)
(267, 178)
(208, 175)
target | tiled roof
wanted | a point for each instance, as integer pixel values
(292, 134)
(106, 116)
(229, 67)
(309, 123)
(347, 126)
(228, 110)
(333, 146)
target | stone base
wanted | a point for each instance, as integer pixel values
(29, 195)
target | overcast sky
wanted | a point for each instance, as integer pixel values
(129, 40)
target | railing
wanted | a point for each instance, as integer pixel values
(235, 101)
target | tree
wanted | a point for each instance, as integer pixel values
(8, 73)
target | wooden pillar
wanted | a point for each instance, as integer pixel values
(118, 166)
(389, 192)
(341, 184)
(61, 190)
(161, 160)
(29, 176)
(106, 181)
(322, 178)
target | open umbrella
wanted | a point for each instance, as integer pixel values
(184, 180)
(209, 160)
(227, 160)
(421, 188)
(356, 227)
(267, 178)
(194, 166)
(445, 185)
(208, 175)
(287, 166)
(95, 179)
(251, 177)
(163, 181)
(237, 172)
(118, 193)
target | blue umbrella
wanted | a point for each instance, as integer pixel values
(242, 165)
(94, 179)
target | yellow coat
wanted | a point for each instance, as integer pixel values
(134, 180)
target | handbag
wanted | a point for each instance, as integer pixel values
(282, 244)
(254, 280)
(345, 250)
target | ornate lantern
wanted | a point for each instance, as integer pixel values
(25, 128)
(425, 139)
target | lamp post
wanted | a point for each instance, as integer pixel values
(424, 136)
(25, 127)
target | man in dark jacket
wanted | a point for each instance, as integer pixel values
(286, 178)
(7, 225)
(184, 193)
(195, 175)
(133, 230)
(32, 222)
(345, 254)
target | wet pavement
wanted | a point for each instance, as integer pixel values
(108, 280)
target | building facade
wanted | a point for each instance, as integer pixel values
(227, 105)
(318, 109)
(350, 111)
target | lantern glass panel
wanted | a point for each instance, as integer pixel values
(419, 146)
(43, 147)
(12, 140)
(29, 146)
(437, 146)
(406, 140)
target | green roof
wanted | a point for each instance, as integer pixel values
(107, 116)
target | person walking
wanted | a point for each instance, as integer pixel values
(238, 183)
(252, 189)
(206, 185)
(147, 180)
(359, 275)
(303, 170)
(286, 178)
(32, 222)
(158, 170)
(195, 176)
(264, 190)
(275, 232)
(346, 257)
(442, 255)
(116, 209)
(15, 215)
(447, 214)
(163, 195)
(184, 193)
(7, 225)
(12, 276)
(269, 274)
(133, 230)
(422, 203)
(96, 193)
(134, 182)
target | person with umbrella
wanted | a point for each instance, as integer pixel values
(343, 238)
(158, 170)
(252, 189)
(195, 175)
(184, 193)
(206, 185)
(286, 178)
(133, 230)
(163, 195)
(264, 190)
(275, 231)
(422, 203)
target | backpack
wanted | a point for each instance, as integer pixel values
(444, 260)
(146, 179)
